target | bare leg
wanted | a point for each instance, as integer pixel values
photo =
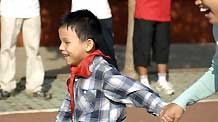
(143, 73)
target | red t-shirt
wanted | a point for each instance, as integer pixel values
(154, 10)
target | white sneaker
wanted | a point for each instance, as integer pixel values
(145, 83)
(166, 87)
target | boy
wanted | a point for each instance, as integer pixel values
(97, 90)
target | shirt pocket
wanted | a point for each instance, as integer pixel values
(87, 99)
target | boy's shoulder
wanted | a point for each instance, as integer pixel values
(100, 64)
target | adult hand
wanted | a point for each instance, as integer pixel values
(171, 113)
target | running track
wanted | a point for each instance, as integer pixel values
(200, 112)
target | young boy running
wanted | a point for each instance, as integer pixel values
(97, 91)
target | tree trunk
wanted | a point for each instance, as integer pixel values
(128, 66)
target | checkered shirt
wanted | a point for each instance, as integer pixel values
(103, 96)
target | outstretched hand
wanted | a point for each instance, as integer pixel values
(171, 113)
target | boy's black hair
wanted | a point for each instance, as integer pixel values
(85, 24)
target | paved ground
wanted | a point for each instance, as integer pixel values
(187, 63)
(200, 112)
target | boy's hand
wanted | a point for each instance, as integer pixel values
(171, 113)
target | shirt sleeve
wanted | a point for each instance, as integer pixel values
(206, 85)
(64, 114)
(125, 90)
(202, 88)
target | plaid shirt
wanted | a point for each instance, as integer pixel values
(103, 96)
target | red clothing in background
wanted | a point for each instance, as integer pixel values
(154, 10)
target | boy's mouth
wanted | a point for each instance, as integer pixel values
(65, 55)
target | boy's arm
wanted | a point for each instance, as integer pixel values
(125, 90)
(204, 87)
(64, 114)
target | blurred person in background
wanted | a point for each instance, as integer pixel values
(16, 16)
(152, 34)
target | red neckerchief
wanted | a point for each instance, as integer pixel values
(83, 71)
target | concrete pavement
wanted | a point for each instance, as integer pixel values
(187, 63)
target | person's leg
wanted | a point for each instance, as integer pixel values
(161, 54)
(34, 67)
(162, 72)
(142, 39)
(10, 28)
(107, 31)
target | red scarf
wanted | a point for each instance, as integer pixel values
(83, 71)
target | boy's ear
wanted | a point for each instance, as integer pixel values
(90, 45)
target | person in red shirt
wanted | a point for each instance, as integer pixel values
(152, 33)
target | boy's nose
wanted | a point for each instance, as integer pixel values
(61, 47)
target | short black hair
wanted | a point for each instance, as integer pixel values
(85, 24)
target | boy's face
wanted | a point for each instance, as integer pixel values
(72, 48)
(212, 13)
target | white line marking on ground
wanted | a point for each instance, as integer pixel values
(55, 110)
(29, 111)
(209, 100)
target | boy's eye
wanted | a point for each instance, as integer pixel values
(67, 42)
